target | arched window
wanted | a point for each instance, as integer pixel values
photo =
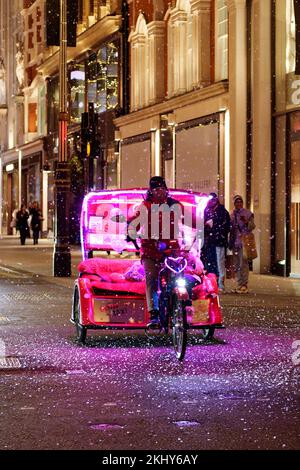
(180, 43)
(147, 65)
(221, 40)
(140, 79)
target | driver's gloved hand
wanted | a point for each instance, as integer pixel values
(154, 317)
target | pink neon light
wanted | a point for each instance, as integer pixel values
(133, 197)
(175, 259)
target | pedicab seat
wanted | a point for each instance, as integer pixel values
(103, 275)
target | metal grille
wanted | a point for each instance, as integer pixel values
(24, 297)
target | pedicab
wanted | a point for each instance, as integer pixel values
(109, 292)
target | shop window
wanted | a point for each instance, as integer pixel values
(103, 77)
(111, 167)
(295, 193)
(34, 183)
(42, 111)
(291, 36)
(77, 86)
(221, 40)
(32, 117)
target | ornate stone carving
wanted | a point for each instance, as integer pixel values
(20, 72)
(2, 83)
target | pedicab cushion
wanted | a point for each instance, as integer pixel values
(103, 266)
(135, 272)
(117, 277)
(98, 269)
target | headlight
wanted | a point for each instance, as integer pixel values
(181, 282)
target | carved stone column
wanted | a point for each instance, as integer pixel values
(261, 155)
(237, 72)
(133, 71)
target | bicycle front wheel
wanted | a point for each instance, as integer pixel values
(179, 327)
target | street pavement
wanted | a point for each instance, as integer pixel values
(121, 391)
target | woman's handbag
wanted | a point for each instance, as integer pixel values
(229, 264)
(249, 245)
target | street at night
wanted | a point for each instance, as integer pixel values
(149, 232)
(239, 391)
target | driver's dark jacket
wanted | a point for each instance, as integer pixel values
(217, 235)
(149, 246)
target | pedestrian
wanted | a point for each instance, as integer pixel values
(13, 223)
(242, 223)
(22, 223)
(36, 221)
(216, 232)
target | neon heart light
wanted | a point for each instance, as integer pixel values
(176, 271)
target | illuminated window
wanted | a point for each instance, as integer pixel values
(103, 77)
(32, 117)
(221, 41)
(77, 87)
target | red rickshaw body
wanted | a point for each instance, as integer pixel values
(103, 298)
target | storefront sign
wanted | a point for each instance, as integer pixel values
(10, 167)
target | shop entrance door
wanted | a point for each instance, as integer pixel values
(9, 203)
(295, 239)
(295, 195)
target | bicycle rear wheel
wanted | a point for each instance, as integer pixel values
(179, 327)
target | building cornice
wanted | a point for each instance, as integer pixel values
(86, 40)
(8, 156)
(178, 16)
(173, 103)
(233, 4)
(198, 5)
(156, 28)
(33, 146)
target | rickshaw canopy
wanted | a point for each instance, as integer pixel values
(105, 215)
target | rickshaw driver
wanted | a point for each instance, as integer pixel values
(153, 246)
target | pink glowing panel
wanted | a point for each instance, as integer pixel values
(105, 213)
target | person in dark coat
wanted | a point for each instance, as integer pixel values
(22, 223)
(216, 231)
(36, 221)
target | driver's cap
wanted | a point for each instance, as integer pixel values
(157, 182)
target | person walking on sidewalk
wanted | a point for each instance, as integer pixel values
(22, 223)
(242, 223)
(36, 221)
(216, 231)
